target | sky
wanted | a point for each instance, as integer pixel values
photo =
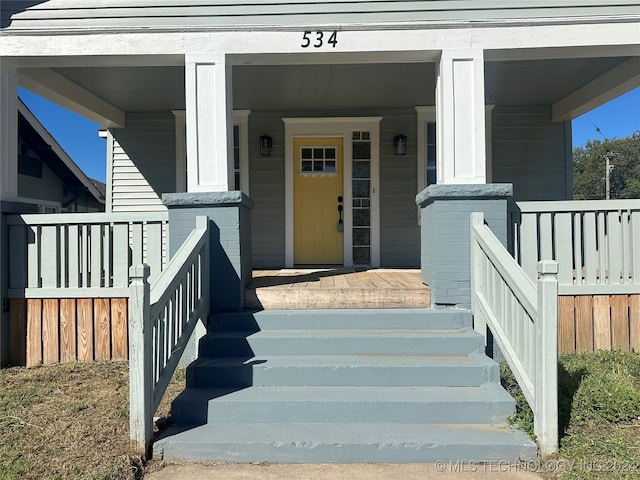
(79, 137)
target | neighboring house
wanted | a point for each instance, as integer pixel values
(48, 179)
(307, 132)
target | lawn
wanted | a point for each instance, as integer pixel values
(599, 410)
(70, 421)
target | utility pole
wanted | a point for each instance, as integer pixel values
(608, 167)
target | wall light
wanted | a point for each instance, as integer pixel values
(400, 144)
(266, 142)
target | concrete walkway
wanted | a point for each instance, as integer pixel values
(352, 471)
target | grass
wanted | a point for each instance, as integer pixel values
(599, 414)
(70, 421)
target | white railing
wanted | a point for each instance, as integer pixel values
(595, 242)
(161, 320)
(523, 318)
(78, 255)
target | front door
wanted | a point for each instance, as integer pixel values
(317, 187)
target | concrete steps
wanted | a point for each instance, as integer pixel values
(346, 443)
(343, 386)
(330, 404)
(371, 370)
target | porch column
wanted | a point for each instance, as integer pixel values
(8, 187)
(209, 120)
(460, 117)
(8, 131)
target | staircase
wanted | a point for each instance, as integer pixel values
(363, 385)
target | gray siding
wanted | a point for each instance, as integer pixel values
(144, 162)
(531, 151)
(124, 13)
(399, 230)
(267, 189)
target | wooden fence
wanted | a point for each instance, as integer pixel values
(595, 242)
(69, 282)
(76, 255)
(588, 323)
(50, 330)
(597, 247)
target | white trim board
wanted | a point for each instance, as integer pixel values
(611, 36)
(335, 127)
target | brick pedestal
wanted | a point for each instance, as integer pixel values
(445, 249)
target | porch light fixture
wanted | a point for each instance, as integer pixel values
(266, 142)
(400, 144)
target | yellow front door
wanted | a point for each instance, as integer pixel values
(317, 188)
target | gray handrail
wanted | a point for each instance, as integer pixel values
(523, 318)
(162, 318)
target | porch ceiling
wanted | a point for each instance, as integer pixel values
(338, 86)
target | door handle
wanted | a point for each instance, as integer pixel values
(340, 208)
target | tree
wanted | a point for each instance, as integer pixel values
(589, 168)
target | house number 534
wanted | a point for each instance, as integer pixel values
(317, 39)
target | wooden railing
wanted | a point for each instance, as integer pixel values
(161, 320)
(523, 318)
(83, 255)
(595, 242)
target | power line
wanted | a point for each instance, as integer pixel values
(607, 158)
(596, 127)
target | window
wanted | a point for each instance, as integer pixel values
(361, 185)
(317, 160)
(236, 157)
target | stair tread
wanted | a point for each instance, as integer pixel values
(328, 318)
(332, 333)
(352, 432)
(353, 311)
(323, 393)
(419, 361)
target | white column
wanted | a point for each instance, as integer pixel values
(209, 124)
(460, 117)
(8, 131)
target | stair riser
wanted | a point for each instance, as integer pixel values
(186, 413)
(460, 454)
(328, 411)
(247, 375)
(212, 346)
(348, 319)
(360, 412)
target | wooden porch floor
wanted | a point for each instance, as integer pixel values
(337, 288)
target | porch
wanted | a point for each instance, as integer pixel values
(69, 279)
(60, 264)
(341, 287)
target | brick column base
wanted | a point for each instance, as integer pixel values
(230, 229)
(445, 236)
